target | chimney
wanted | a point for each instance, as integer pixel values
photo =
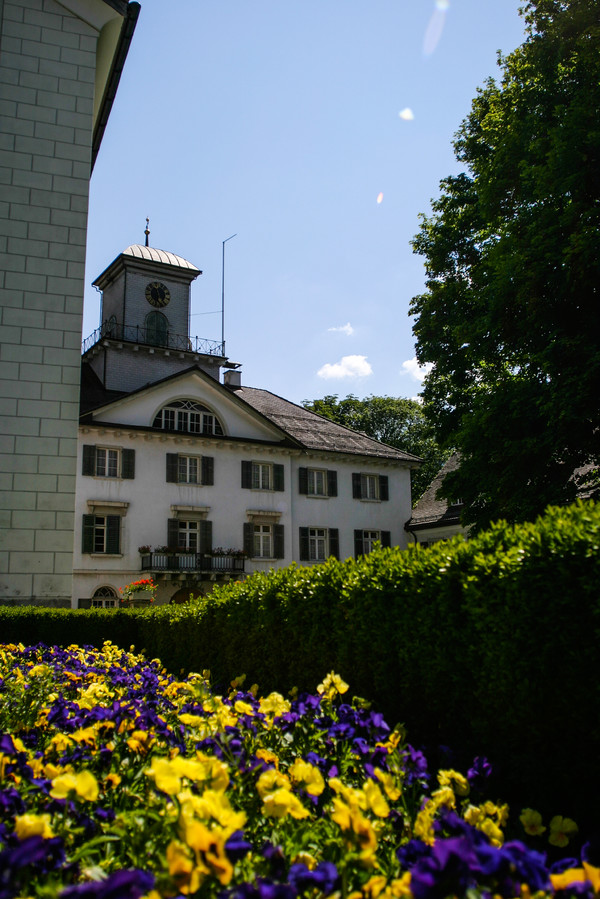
(232, 379)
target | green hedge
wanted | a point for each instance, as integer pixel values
(490, 646)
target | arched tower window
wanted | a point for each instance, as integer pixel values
(188, 416)
(157, 329)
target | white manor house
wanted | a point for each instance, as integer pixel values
(186, 475)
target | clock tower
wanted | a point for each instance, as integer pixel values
(144, 321)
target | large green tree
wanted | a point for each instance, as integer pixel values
(511, 314)
(393, 420)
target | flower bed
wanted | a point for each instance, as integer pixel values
(118, 780)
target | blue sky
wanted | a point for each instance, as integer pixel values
(316, 132)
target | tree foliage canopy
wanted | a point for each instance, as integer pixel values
(396, 421)
(511, 317)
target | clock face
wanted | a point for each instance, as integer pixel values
(157, 294)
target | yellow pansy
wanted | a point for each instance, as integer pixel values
(83, 784)
(33, 826)
(243, 708)
(274, 705)
(532, 822)
(267, 756)
(332, 686)
(392, 790)
(165, 776)
(271, 780)
(308, 777)
(375, 799)
(455, 781)
(561, 829)
(283, 802)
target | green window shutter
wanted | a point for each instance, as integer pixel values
(358, 544)
(303, 481)
(128, 464)
(113, 534)
(304, 549)
(356, 488)
(332, 483)
(384, 490)
(172, 468)
(205, 536)
(173, 533)
(208, 471)
(279, 546)
(278, 478)
(87, 534)
(247, 475)
(386, 539)
(334, 543)
(249, 538)
(89, 460)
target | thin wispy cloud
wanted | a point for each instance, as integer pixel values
(347, 367)
(346, 329)
(418, 372)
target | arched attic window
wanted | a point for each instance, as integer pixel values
(188, 416)
(157, 329)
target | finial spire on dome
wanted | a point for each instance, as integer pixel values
(147, 231)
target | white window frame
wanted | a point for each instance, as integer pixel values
(262, 476)
(264, 546)
(369, 487)
(316, 482)
(370, 538)
(318, 544)
(189, 469)
(188, 417)
(188, 537)
(107, 458)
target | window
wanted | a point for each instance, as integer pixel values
(188, 416)
(364, 541)
(317, 544)
(182, 469)
(370, 486)
(262, 476)
(104, 598)
(317, 482)
(157, 329)
(187, 534)
(108, 462)
(263, 541)
(101, 534)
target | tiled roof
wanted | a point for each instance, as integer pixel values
(315, 432)
(431, 511)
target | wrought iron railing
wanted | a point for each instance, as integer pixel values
(152, 336)
(193, 562)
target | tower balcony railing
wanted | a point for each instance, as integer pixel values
(194, 562)
(156, 337)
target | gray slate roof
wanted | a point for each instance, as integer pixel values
(314, 431)
(430, 511)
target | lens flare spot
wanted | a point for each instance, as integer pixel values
(442, 4)
(406, 114)
(434, 30)
(380, 197)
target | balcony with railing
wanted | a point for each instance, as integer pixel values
(152, 336)
(194, 562)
